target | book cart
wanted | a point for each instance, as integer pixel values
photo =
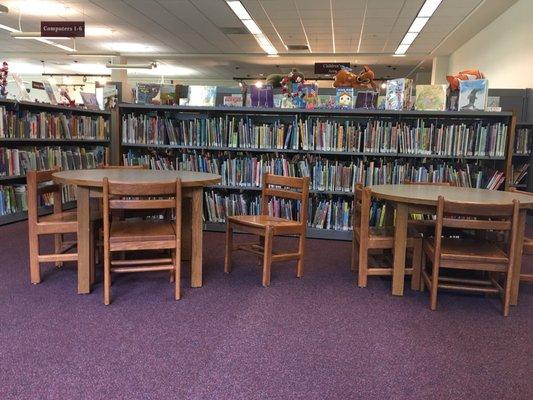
(42, 136)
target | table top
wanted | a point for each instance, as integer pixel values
(95, 177)
(429, 194)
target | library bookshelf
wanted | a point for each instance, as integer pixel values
(375, 146)
(39, 136)
(522, 157)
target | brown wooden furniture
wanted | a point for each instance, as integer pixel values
(266, 227)
(366, 239)
(133, 234)
(406, 196)
(418, 217)
(89, 184)
(475, 253)
(528, 241)
(57, 223)
(106, 166)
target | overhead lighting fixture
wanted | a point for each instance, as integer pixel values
(241, 13)
(95, 55)
(131, 66)
(423, 16)
(33, 35)
(66, 48)
(41, 8)
(124, 47)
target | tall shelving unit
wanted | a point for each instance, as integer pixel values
(21, 107)
(179, 113)
(522, 153)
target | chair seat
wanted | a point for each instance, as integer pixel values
(468, 250)
(135, 230)
(66, 217)
(261, 221)
(386, 232)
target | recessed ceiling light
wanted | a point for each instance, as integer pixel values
(401, 49)
(239, 9)
(409, 37)
(429, 8)
(130, 47)
(251, 26)
(41, 8)
(418, 24)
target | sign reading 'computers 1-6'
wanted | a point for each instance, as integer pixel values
(63, 28)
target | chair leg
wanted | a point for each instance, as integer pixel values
(363, 267)
(301, 252)
(229, 248)
(417, 261)
(422, 270)
(35, 269)
(434, 285)
(355, 255)
(507, 293)
(58, 243)
(267, 257)
(107, 277)
(177, 272)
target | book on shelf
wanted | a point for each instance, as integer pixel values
(15, 162)
(473, 95)
(13, 198)
(398, 94)
(430, 97)
(522, 144)
(45, 125)
(344, 97)
(519, 173)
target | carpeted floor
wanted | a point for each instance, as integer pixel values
(320, 337)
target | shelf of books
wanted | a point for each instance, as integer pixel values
(522, 159)
(336, 148)
(36, 136)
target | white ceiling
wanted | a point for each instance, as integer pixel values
(187, 33)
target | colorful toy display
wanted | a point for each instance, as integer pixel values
(466, 75)
(363, 80)
(3, 79)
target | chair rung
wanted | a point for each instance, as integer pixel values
(249, 250)
(58, 257)
(526, 277)
(465, 288)
(143, 268)
(285, 257)
(480, 282)
(150, 261)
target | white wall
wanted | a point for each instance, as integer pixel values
(503, 51)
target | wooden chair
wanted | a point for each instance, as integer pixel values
(471, 254)
(422, 219)
(367, 239)
(266, 227)
(528, 241)
(132, 235)
(57, 223)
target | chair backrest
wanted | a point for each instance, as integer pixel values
(515, 190)
(361, 209)
(285, 187)
(141, 166)
(479, 217)
(41, 183)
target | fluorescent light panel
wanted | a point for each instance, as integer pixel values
(241, 13)
(418, 24)
(66, 48)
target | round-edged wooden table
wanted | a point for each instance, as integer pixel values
(89, 183)
(416, 197)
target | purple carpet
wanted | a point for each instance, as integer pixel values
(320, 337)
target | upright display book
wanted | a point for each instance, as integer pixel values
(234, 100)
(344, 97)
(473, 95)
(202, 96)
(430, 97)
(398, 95)
(89, 100)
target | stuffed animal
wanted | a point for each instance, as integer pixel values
(288, 81)
(363, 80)
(465, 75)
(274, 80)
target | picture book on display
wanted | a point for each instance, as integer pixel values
(202, 96)
(344, 97)
(430, 97)
(398, 94)
(473, 95)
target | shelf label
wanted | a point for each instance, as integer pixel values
(63, 28)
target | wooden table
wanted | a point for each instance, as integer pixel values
(406, 197)
(89, 183)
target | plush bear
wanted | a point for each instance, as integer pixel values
(465, 75)
(363, 80)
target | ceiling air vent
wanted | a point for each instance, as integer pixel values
(234, 31)
(297, 47)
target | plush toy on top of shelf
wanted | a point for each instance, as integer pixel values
(466, 75)
(363, 80)
(3, 79)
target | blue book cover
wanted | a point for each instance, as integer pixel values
(344, 97)
(473, 95)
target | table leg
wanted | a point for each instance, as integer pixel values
(400, 242)
(197, 237)
(186, 234)
(84, 241)
(518, 257)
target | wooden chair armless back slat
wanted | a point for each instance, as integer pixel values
(515, 190)
(39, 183)
(301, 195)
(478, 210)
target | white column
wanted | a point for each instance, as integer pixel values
(121, 75)
(439, 70)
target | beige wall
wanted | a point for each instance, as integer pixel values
(503, 51)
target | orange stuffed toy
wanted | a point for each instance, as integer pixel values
(363, 80)
(465, 75)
